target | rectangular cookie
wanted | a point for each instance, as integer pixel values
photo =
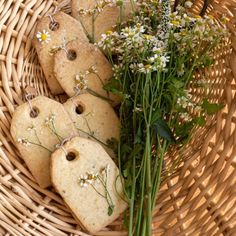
(85, 70)
(98, 23)
(88, 181)
(37, 131)
(50, 36)
(94, 118)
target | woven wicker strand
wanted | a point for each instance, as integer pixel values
(199, 198)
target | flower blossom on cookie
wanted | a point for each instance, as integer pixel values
(43, 37)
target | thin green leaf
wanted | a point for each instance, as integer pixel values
(162, 129)
(110, 210)
(155, 117)
(211, 108)
(183, 130)
(113, 86)
(201, 121)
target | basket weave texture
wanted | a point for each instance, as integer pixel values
(198, 199)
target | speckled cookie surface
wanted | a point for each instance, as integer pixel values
(104, 21)
(94, 118)
(76, 176)
(88, 71)
(37, 134)
(67, 29)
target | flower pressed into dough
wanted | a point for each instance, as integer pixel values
(43, 37)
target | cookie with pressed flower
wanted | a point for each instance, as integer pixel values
(89, 183)
(50, 35)
(86, 70)
(36, 129)
(97, 18)
(94, 118)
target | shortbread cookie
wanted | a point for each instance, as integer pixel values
(81, 172)
(36, 133)
(103, 19)
(94, 118)
(88, 72)
(50, 37)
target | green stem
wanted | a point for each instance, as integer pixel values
(54, 131)
(161, 149)
(149, 184)
(97, 191)
(107, 192)
(144, 226)
(92, 136)
(37, 137)
(39, 145)
(141, 202)
(93, 28)
(92, 92)
(131, 202)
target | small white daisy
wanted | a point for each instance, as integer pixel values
(43, 37)
(30, 128)
(188, 4)
(23, 141)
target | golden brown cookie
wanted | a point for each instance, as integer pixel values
(86, 70)
(94, 118)
(103, 19)
(36, 133)
(88, 181)
(49, 37)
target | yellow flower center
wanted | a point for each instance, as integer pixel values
(109, 32)
(44, 37)
(183, 33)
(147, 66)
(175, 22)
(147, 36)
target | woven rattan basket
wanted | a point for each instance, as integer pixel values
(198, 199)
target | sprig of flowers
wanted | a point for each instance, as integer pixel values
(99, 7)
(50, 123)
(131, 45)
(26, 142)
(80, 79)
(90, 133)
(155, 56)
(95, 11)
(94, 179)
(81, 83)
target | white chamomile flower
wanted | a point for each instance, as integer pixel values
(83, 181)
(23, 141)
(31, 128)
(185, 117)
(43, 37)
(188, 4)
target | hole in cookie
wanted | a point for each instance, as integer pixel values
(79, 109)
(53, 26)
(70, 156)
(71, 55)
(34, 112)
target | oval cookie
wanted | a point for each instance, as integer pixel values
(37, 132)
(94, 118)
(81, 172)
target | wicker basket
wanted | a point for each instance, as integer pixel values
(198, 199)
